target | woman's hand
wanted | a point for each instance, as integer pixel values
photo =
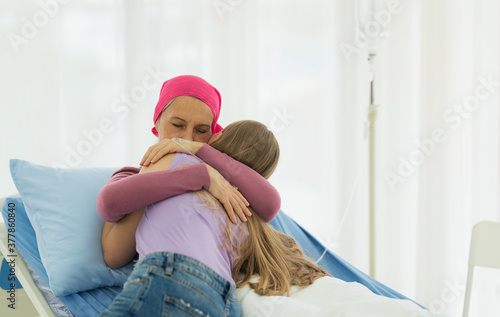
(229, 196)
(166, 146)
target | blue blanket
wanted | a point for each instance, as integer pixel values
(93, 302)
(329, 260)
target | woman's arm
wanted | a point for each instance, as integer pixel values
(127, 190)
(263, 197)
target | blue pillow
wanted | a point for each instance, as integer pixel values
(61, 206)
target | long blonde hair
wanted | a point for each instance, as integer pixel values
(273, 255)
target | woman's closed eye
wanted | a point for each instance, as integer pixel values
(199, 130)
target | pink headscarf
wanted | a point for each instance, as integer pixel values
(188, 85)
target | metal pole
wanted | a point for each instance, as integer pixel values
(372, 116)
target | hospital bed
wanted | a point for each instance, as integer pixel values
(36, 285)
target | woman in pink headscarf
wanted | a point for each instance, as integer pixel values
(188, 108)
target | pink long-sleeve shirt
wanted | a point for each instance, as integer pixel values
(127, 190)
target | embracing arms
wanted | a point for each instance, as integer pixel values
(127, 190)
(122, 200)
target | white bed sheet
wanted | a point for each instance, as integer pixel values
(330, 297)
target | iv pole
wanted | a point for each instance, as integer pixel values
(372, 116)
(366, 16)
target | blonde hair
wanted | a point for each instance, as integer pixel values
(251, 143)
(273, 255)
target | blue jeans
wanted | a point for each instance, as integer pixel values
(172, 284)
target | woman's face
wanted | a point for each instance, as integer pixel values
(187, 118)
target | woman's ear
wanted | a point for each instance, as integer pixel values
(157, 123)
(214, 138)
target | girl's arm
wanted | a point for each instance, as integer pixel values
(118, 239)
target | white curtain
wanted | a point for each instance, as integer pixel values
(438, 150)
(80, 81)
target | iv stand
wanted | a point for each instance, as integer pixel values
(372, 116)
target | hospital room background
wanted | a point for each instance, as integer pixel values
(80, 79)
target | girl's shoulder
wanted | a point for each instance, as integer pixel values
(184, 159)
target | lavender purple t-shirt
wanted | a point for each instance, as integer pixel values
(192, 224)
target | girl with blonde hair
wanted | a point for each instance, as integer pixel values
(271, 254)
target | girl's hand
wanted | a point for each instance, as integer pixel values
(166, 146)
(229, 196)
